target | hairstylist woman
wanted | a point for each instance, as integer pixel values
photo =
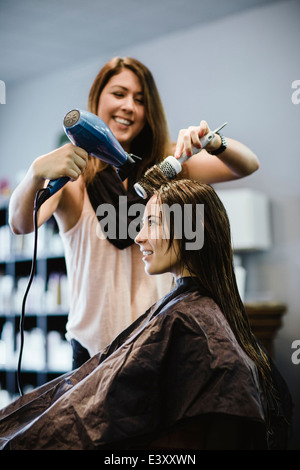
(108, 285)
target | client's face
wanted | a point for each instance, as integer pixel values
(153, 240)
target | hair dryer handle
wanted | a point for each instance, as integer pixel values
(52, 188)
(57, 184)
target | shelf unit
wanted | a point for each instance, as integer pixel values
(46, 353)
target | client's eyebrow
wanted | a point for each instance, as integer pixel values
(150, 216)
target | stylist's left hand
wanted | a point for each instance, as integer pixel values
(190, 137)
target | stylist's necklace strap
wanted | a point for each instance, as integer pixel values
(221, 148)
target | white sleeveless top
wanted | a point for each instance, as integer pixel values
(109, 288)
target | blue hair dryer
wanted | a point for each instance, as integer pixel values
(88, 131)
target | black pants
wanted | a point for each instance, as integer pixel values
(80, 354)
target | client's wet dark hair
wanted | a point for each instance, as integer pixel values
(212, 265)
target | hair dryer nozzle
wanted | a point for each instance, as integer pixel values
(125, 170)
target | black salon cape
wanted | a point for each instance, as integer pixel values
(178, 361)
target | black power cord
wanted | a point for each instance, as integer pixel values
(37, 204)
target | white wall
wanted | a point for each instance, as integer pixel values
(238, 69)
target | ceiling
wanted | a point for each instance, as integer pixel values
(38, 36)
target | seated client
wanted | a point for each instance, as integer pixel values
(187, 374)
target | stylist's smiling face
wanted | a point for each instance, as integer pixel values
(121, 107)
(153, 240)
